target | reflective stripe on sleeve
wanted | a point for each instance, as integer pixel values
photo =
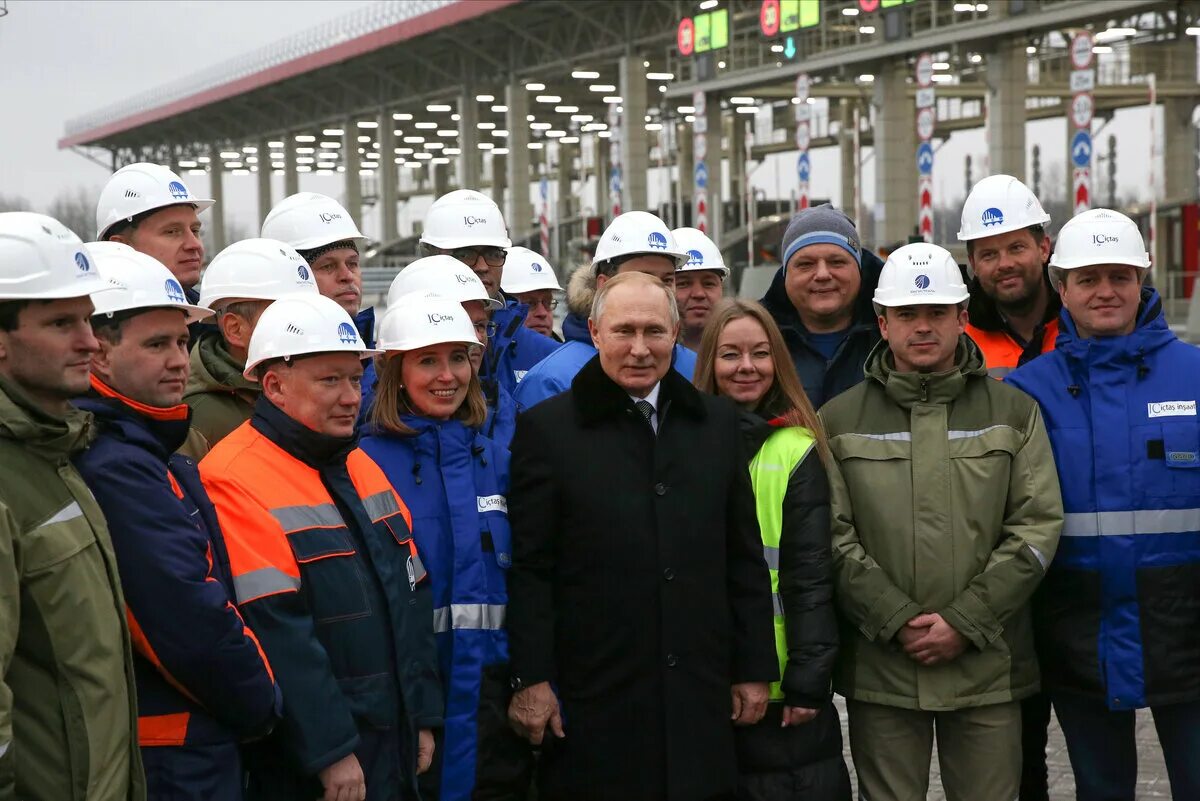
(475, 617)
(4, 748)
(298, 518)
(772, 556)
(68, 512)
(1140, 521)
(1041, 557)
(263, 582)
(777, 603)
(380, 505)
(893, 436)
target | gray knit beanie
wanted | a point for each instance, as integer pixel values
(821, 225)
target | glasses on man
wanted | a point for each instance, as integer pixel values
(493, 257)
(487, 328)
(550, 305)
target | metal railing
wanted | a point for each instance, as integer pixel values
(321, 37)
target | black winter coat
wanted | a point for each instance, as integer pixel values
(638, 587)
(824, 379)
(805, 761)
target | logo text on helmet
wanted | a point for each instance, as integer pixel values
(993, 216)
(174, 291)
(177, 190)
(921, 282)
(329, 216)
(463, 278)
(437, 318)
(292, 328)
(347, 334)
(1104, 239)
(132, 194)
(471, 221)
(695, 258)
(656, 241)
(81, 261)
(537, 268)
(302, 271)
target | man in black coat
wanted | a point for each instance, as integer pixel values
(639, 612)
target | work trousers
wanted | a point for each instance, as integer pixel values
(1103, 748)
(979, 751)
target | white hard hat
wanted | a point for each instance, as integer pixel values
(41, 259)
(636, 233)
(417, 321)
(920, 274)
(255, 269)
(443, 276)
(999, 204)
(138, 281)
(138, 188)
(703, 253)
(310, 220)
(301, 324)
(526, 271)
(465, 218)
(1099, 236)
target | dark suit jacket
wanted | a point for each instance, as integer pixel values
(638, 587)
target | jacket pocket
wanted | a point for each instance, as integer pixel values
(1166, 460)
(372, 699)
(497, 530)
(331, 574)
(64, 535)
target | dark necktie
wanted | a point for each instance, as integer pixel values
(647, 410)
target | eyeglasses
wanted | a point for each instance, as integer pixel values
(550, 305)
(487, 328)
(493, 257)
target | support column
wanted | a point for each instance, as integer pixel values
(352, 161)
(1005, 76)
(291, 178)
(264, 179)
(684, 168)
(216, 185)
(469, 163)
(389, 228)
(737, 167)
(439, 179)
(895, 146)
(635, 146)
(602, 166)
(517, 211)
(563, 210)
(848, 160)
(498, 177)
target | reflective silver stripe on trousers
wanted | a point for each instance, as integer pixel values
(262, 582)
(1141, 521)
(772, 557)
(478, 617)
(381, 504)
(68, 512)
(297, 518)
(777, 604)
(979, 432)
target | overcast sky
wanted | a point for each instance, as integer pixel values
(61, 59)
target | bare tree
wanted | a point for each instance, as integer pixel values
(13, 203)
(76, 209)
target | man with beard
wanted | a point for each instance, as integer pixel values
(1014, 315)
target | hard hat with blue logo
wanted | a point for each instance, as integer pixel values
(255, 269)
(703, 253)
(465, 218)
(303, 324)
(137, 281)
(309, 220)
(41, 259)
(418, 321)
(638, 233)
(137, 188)
(920, 274)
(526, 271)
(999, 204)
(443, 276)
(1099, 236)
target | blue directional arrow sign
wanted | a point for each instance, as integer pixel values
(925, 159)
(803, 166)
(789, 48)
(701, 175)
(1081, 148)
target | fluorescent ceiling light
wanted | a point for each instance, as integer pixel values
(364, 139)
(305, 150)
(707, 4)
(569, 140)
(437, 108)
(333, 132)
(426, 126)
(660, 76)
(500, 109)
(941, 65)
(448, 134)
(742, 101)
(233, 154)
(485, 98)
(746, 109)
(486, 126)
(585, 75)
(612, 99)
(535, 87)
(686, 109)
(850, 12)
(275, 144)
(566, 109)
(602, 88)
(866, 30)
(548, 99)
(367, 124)
(866, 77)
(500, 151)
(403, 116)
(534, 146)
(305, 138)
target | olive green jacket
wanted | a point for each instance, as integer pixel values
(68, 717)
(944, 499)
(220, 397)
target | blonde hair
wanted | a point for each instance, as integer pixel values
(785, 398)
(392, 402)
